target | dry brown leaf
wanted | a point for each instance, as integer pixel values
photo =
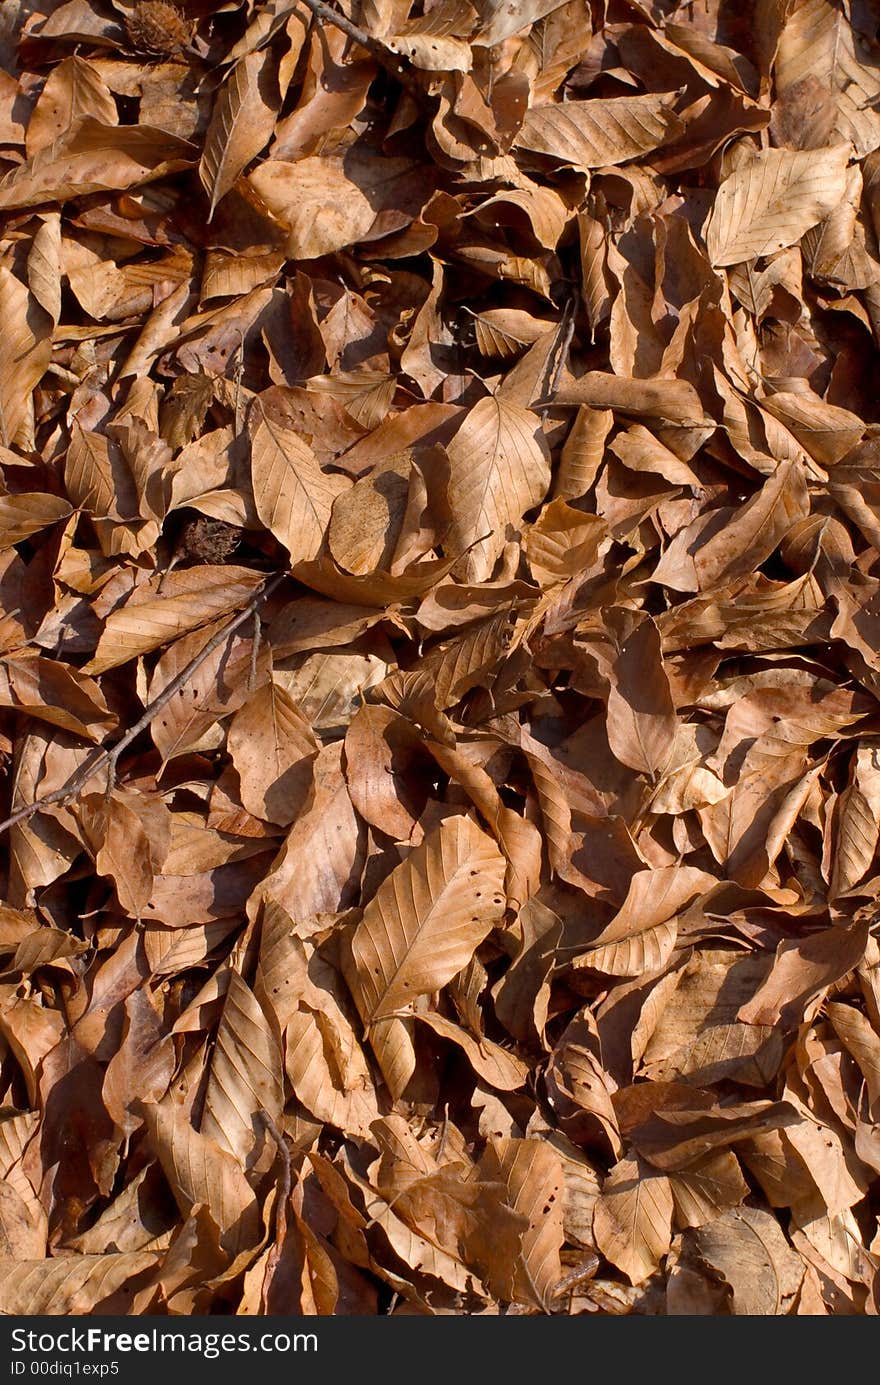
(70, 1284)
(802, 971)
(241, 123)
(426, 920)
(748, 1250)
(328, 1070)
(632, 1220)
(330, 201)
(590, 134)
(493, 1064)
(188, 600)
(293, 496)
(73, 91)
(25, 351)
(482, 926)
(772, 199)
(641, 716)
(243, 1078)
(858, 823)
(498, 470)
(91, 157)
(533, 1173)
(200, 1172)
(380, 747)
(272, 746)
(318, 867)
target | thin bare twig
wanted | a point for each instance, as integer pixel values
(108, 757)
(284, 1184)
(385, 56)
(284, 1151)
(255, 654)
(565, 340)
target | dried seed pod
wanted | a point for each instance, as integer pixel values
(205, 540)
(156, 27)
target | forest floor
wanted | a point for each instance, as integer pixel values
(439, 657)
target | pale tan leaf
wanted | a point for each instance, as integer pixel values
(331, 201)
(632, 1221)
(318, 868)
(280, 965)
(820, 45)
(73, 90)
(89, 471)
(641, 715)
(94, 156)
(122, 848)
(747, 1053)
(54, 692)
(393, 1044)
(857, 823)
(272, 746)
(859, 1039)
(748, 538)
(590, 134)
(499, 19)
(241, 123)
(15, 1133)
(328, 1071)
(772, 199)
(533, 1173)
(23, 1225)
(506, 332)
(494, 1065)
(518, 838)
(217, 688)
(426, 919)
(499, 469)
(705, 1189)
(564, 542)
(293, 495)
(329, 686)
(187, 600)
(366, 521)
(644, 954)
(414, 1250)
(802, 971)
(379, 747)
(747, 1248)
(27, 513)
(244, 1078)
(25, 351)
(143, 1065)
(432, 53)
(824, 430)
(71, 1284)
(199, 1171)
(44, 266)
(675, 401)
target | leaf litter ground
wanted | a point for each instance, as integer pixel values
(440, 657)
